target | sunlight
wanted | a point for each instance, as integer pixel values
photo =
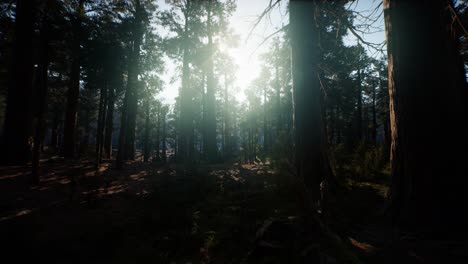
(246, 55)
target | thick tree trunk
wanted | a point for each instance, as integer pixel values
(428, 117)
(310, 140)
(17, 132)
(71, 114)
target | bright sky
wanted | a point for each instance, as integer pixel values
(247, 54)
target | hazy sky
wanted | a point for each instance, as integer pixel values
(247, 54)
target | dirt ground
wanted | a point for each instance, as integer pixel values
(227, 213)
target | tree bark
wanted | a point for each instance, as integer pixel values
(101, 122)
(428, 117)
(129, 109)
(41, 84)
(18, 119)
(109, 123)
(146, 143)
(227, 126)
(73, 93)
(184, 148)
(163, 154)
(310, 140)
(374, 117)
(211, 146)
(265, 123)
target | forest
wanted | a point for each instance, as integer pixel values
(171, 131)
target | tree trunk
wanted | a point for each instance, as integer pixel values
(41, 84)
(358, 117)
(71, 114)
(279, 120)
(211, 148)
(123, 132)
(129, 109)
(374, 117)
(163, 154)
(310, 139)
(109, 123)
(101, 123)
(428, 111)
(226, 128)
(146, 143)
(184, 148)
(54, 135)
(18, 118)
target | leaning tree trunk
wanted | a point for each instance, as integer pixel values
(310, 139)
(18, 119)
(428, 96)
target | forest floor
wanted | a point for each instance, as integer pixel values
(228, 213)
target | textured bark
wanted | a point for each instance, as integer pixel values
(17, 132)
(428, 117)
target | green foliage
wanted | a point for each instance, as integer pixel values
(365, 163)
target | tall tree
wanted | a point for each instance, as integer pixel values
(71, 116)
(428, 110)
(310, 148)
(18, 119)
(41, 94)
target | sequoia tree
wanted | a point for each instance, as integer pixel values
(428, 109)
